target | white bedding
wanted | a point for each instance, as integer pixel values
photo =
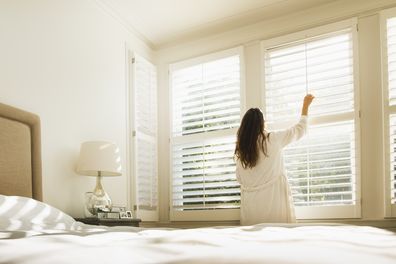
(74, 242)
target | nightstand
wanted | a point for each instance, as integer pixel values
(109, 222)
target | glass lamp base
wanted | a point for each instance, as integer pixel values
(101, 203)
(99, 200)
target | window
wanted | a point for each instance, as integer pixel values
(388, 34)
(322, 167)
(206, 111)
(144, 112)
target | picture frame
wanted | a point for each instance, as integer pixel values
(126, 215)
(129, 214)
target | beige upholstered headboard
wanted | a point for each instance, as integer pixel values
(20, 153)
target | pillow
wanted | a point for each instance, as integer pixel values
(22, 213)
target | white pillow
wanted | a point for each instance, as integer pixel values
(22, 213)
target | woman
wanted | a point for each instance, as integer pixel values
(265, 192)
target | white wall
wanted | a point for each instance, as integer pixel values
(65, 61)
(372, 173)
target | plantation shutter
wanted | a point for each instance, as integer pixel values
(145, 135)
(322, 166)
(391, 65)
(206, 97)
(324, 66)
(204, 175)
(206, 107)
(392, 141)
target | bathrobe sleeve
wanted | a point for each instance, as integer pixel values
(294, 133)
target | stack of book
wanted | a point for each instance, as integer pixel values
(113, 214)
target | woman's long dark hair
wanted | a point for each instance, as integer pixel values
(248, 145)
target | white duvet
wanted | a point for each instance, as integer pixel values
(67, 241)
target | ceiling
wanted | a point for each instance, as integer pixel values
(162, 22)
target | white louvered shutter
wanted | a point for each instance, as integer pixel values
(204, 175)
(206, 97)
(391, 107)
(392, 140)
(145, 136)
(206, 108)
(322, 166)
(324, 66)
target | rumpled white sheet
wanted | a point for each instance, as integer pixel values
(37, 233)
(250, 244)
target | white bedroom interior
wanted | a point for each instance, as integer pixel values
(70, 62)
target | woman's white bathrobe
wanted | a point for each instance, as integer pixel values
(265, 191)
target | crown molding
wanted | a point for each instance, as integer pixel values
(121, 20)
(265, 29)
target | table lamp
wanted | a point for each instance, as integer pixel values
(99, 158)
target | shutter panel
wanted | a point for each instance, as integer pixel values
(324, 65)
(392, 140)
(206, 97)
(322, 167)
(147, 173)
(391, 55)
(391, 47)
(206, 102)
(146, 134)
(204, 175)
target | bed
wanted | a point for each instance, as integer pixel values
(34, 232)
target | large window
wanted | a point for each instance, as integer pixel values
(388, 29)
(206, 110)
(144, 132)
(322, 168)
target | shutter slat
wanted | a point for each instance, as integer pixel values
(199, 179)
(209, 199)
(320, 178)
(224, 205)
(326, 185)
(216, 184)
(204, 191)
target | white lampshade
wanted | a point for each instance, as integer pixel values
(99, 156)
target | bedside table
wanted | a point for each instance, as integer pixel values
(109, 222)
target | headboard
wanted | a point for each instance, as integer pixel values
(20, 153)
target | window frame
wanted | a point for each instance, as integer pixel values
(203, 215)
(388, 110)
(326, 212)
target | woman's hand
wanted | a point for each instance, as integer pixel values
(307, 102)
(308, 99)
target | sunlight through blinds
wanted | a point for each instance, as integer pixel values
(206, 103)
(321, 168)
(206, 97)
(146, 134)
(204, 175)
